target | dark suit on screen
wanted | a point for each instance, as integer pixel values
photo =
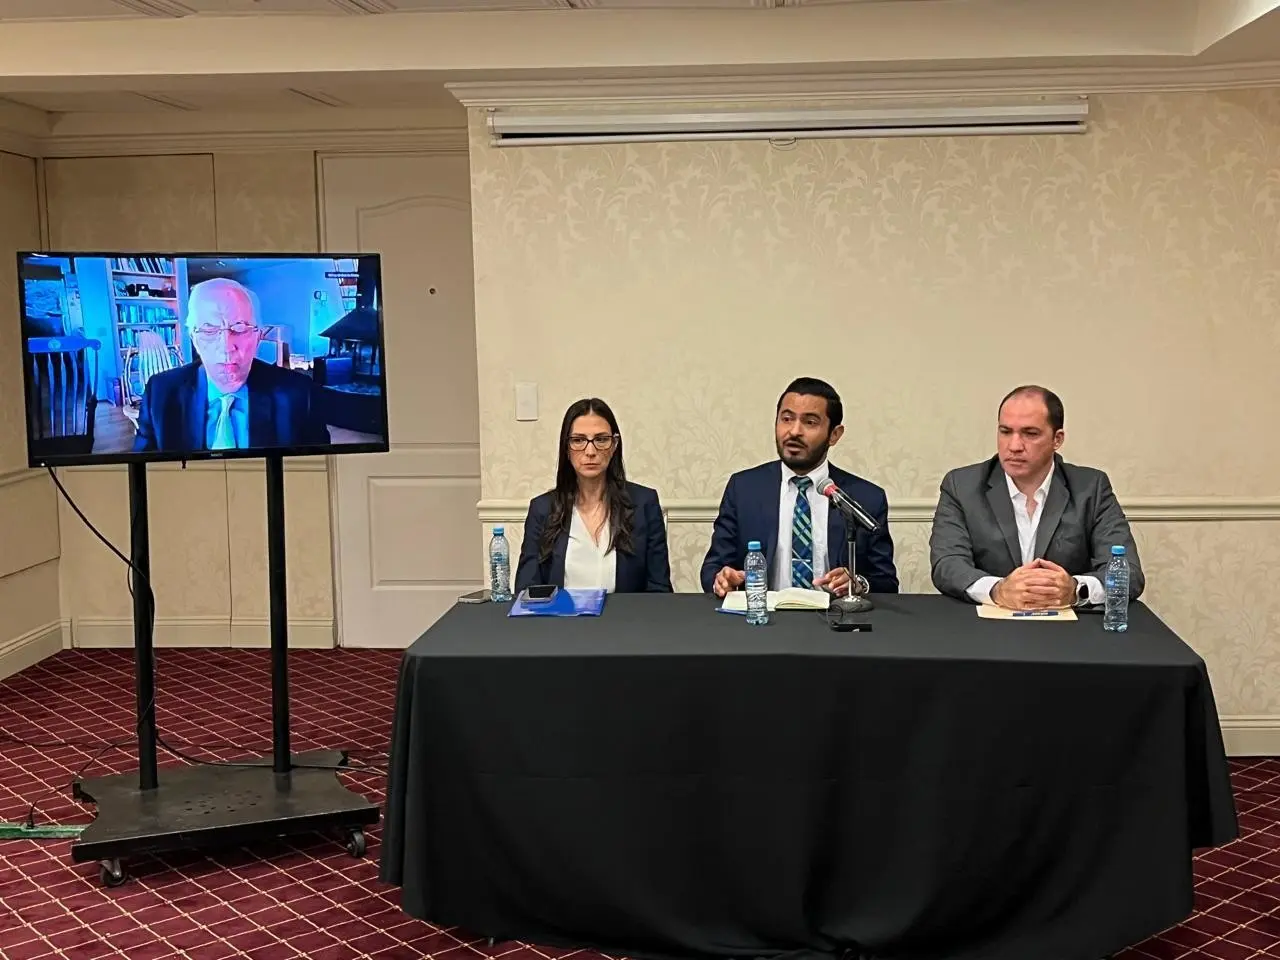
(284, 410)
(646, 569)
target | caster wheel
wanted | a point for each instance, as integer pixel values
(355, 843)
(111, 873)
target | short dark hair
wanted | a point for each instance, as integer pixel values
(1057, 416)
(813, 387)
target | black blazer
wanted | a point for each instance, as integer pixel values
(284, 410)
(646, 569)
(749, 511)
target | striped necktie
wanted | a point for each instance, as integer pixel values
(802, 536)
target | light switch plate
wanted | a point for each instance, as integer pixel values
(526, 401)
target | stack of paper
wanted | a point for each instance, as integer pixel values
(792, 598)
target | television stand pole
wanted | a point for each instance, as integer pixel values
(277, 586)
(144, 662)
(224, 804)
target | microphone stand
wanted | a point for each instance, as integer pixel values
(849, 603)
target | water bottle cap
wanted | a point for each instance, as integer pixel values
(1117, 551)
(753, 545)
(497, 531)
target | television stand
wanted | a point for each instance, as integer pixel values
(215, 805)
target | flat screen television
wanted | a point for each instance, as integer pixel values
(137, 357)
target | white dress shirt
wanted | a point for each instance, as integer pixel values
(1028, 524)
(818, 505)
(587, 564)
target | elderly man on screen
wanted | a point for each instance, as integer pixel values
(229, 400)
(1026, 530)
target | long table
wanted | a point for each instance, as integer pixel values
(669, 781)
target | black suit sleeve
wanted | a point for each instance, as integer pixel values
(658, 562)
(146, 435)
(881, 574)
(1111, 527)
(529, 568)
(723, 551)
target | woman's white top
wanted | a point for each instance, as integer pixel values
(588, 564)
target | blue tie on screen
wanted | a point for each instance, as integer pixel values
(224, 437)
(802, 536)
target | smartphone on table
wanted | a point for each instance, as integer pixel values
(540, 593)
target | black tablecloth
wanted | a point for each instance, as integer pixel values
(667, 780)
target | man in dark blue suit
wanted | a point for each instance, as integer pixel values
(804, 538)
(230, 400)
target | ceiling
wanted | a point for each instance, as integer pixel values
(118, 9)
(261, 98)
(179, 60)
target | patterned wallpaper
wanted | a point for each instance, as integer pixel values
(1135, 269)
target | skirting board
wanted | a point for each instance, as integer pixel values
(30, 648)
(1251, 736)
(103, 632)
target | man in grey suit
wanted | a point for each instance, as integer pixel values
(1026, 530)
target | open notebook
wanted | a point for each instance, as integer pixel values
(792, 598)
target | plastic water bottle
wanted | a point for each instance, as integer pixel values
(1116, 584)
(757, 571)
(499, 567)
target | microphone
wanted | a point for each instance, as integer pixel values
(848, 506)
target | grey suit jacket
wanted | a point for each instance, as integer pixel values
(975, 535)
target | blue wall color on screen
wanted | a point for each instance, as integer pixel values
(186, 350)
(285, 291)
(95, 308)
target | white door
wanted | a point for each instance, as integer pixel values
(405, 524)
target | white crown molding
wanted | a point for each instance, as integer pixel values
(20, 144)
(320, 140)
(21, 128)
(1137, 509)
(862, 86)
(34, 133)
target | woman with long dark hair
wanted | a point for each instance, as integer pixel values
(596, 528)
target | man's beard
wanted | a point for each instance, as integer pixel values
(803, 462)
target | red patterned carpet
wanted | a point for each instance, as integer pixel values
(308, 898)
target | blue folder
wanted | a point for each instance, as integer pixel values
(566, 603)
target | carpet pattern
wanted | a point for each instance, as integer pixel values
(306, 897)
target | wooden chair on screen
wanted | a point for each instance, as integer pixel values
(61, 399)
(151, 356)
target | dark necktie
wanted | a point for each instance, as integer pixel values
(802, 536)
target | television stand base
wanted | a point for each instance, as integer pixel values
(203, 806)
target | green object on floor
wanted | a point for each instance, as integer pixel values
(20, 831)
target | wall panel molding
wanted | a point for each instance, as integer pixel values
(1137, 509)
(117, 632)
